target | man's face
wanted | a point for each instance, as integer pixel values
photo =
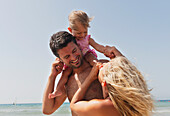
(71, 55)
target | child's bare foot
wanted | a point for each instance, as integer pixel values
(60, 87)
(55, 94)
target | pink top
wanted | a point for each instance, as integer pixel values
(84, 46)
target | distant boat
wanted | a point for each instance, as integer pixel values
(15, 102)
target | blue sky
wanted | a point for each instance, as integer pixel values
(139, 29)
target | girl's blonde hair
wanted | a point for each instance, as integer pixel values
(127, 88)
(79, 16)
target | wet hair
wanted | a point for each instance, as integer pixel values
(79, 16)
(127, 88)
(60, 40)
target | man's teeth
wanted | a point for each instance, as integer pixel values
(75, 61)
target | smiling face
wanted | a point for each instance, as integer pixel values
(71, 55)
(81, 31)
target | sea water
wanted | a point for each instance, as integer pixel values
(35, 109)
(162, 108)
(31, 109)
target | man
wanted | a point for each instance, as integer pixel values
(64, 46)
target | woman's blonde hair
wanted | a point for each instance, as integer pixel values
(127, 88)
(79, 16)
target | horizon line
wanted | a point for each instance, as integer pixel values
(161, 100)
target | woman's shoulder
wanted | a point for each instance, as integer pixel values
(99, 104)
(106, 107)
(97, 107)
(105, 103)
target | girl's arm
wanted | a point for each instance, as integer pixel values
(108, 51)
(96, 46)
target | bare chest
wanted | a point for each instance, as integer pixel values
(94, 91)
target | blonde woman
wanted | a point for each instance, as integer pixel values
(125, 92)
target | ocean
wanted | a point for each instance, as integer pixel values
(162, 108)
(31, 109)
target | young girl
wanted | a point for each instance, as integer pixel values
(78, 27)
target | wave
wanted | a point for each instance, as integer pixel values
(19, 110)
(162, 111)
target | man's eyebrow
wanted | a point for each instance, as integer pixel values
(73, 49)
(66, 56)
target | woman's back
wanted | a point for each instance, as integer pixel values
(99, 107)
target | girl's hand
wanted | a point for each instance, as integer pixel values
(111, 52)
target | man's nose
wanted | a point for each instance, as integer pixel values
(73, 56)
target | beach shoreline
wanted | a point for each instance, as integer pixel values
(162, 108)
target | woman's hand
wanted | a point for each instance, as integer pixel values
(95, 70)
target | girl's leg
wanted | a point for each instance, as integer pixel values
(61, 83)
(89, 57)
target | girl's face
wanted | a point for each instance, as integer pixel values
(81, 32)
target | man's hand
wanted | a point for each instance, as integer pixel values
(57, 67)
(51, 105)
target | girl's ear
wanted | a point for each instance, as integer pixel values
(70, 29)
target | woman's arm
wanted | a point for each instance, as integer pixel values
(79, 106)
(93, 107)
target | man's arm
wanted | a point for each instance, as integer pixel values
(50, 105)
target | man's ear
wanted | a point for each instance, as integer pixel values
(58, 58)
(61, 60)
(70, 30)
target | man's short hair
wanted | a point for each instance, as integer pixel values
(60, 40)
